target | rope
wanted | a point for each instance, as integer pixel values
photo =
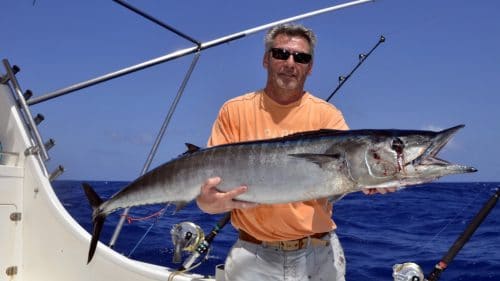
(156, 215)
(131, 219)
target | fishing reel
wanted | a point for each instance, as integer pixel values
(187, 237)
(407, 272)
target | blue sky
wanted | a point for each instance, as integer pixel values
(439, 67)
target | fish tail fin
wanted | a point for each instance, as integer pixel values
(97, 218)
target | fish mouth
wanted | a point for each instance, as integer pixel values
(429, 158)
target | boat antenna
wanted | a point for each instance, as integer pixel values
(362, 58)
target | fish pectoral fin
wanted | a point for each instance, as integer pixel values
(320, 159)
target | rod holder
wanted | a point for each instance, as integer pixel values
(49, 144)
(28, 94)
(31, 150)
(35, 149)
(56, 173)
(39, 119)
(4, 79)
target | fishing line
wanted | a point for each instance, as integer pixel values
(454, 219)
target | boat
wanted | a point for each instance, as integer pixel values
(38, 237)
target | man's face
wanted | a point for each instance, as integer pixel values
(288, 74)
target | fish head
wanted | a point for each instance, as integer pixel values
(392, 158)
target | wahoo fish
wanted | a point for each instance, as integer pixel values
(299, 167)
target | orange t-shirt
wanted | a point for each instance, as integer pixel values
(255, 116)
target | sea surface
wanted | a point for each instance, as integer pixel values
(418, 224)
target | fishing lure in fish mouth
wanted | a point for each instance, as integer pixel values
(299, 167)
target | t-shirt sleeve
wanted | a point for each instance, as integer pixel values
(222, 131)
(336, 120)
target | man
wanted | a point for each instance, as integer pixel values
(294, 241)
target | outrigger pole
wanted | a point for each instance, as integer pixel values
(187, 51)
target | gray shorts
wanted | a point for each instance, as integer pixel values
(250, 262)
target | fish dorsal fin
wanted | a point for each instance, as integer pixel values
(191, 148)
(320, 159)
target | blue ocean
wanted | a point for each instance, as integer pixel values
(417, 224)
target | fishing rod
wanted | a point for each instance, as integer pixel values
(464, 237)
(413, 272)
(362, 58)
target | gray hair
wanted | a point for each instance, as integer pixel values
(290, 29)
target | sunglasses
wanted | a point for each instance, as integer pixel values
(282, 54)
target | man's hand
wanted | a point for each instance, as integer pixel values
(213, 201)
(370, 191)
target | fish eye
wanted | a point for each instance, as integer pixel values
(397, 145)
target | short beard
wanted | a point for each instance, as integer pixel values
(291, 85)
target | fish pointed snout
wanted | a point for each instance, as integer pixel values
(448, 133)
(471, 170)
